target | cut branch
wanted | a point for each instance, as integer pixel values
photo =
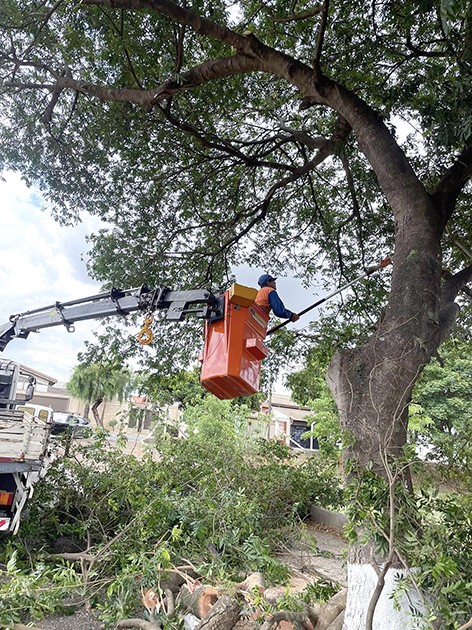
(139, 623)
(291, 617)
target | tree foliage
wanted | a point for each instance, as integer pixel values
(444, 393)
(94, 383)
(189, 185)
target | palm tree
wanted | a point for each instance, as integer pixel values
(94, 383)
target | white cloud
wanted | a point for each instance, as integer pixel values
(40, 263)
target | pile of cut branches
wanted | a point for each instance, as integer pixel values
(248, 605)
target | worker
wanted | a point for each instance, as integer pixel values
(268, 300)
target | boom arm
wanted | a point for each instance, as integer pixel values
(178, 305)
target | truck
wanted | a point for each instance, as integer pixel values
(24, 437)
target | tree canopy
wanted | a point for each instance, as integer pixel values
(202, 145)
(95, 383)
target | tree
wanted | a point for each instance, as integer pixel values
(95, 383)
(264, 132)
(444, 393)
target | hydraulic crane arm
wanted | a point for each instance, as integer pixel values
(177, 304)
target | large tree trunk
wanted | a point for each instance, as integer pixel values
(372, 387)
(363, 581)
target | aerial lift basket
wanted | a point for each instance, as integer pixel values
(234, 346)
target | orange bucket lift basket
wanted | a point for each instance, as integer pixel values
(234, 346)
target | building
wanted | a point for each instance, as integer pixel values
(289, 421)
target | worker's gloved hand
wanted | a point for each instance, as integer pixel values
(295, 318)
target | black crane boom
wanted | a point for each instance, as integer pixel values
(177, 304)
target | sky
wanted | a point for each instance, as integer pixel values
(43, 262)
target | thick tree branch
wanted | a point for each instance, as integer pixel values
(293, 617)
(295, 17)
(452, 183)
(449, 309)
(56, 94)
(303, 137)
(454, 284)
(264, 58)
(421, 52)
(207, 71)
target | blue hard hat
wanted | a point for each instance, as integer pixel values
(264, 279)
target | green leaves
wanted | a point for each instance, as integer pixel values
(99, 381)
(36, 591)
(444, 393)
(214, 498)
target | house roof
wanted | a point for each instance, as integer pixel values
(283, 407)
(296, 415)
(50, 380)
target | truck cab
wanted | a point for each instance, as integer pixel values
(40, 412)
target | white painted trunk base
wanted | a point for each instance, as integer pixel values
(362, 580)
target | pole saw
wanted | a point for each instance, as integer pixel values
(369, 271)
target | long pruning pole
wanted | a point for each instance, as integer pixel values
(369, 271)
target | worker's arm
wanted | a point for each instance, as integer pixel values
(278, 306)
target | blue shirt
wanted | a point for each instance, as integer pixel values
(278, 306)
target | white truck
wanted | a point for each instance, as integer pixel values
(24, 436)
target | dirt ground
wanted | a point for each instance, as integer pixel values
(321, 554)
(81, 620)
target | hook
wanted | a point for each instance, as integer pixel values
(145, 337)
